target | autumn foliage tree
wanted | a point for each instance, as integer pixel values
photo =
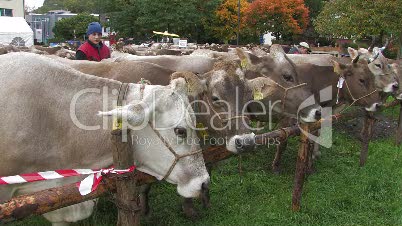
(282, 17)
(224, 25)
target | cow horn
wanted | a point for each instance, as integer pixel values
(370, 48)
(356, 59)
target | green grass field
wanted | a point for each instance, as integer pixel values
(339, 193)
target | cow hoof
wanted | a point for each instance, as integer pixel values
(191, 213)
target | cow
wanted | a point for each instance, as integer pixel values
(221, 113)
(49, 121)
(224, 80)
(384, 78)
(275, 78)
(195, 64)
(356, 87)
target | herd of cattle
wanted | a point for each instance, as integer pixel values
(56, 111)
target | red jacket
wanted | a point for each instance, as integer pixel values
(93, 53)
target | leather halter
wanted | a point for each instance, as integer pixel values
(351, 95)
(286, 89)
(122, 96)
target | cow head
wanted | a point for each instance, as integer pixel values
(284, 94)
(397, 70)
(220, 108)
(359, 86)
(160, 123)
(385, 78)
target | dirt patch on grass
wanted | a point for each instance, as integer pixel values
(384, 127)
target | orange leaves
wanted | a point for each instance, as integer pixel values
(226, 23)
(281, 16)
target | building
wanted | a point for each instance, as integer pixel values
(43, 24)
(12, 8)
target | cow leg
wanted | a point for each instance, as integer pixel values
(367, 133)
(280, 148)
(144, 199)
(71, 213)
(276, 164)
(398, 136)
(205, 198)
(189, 210)
(314, 154)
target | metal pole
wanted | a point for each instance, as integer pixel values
(238, 23)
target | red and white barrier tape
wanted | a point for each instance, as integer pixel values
(86, 186)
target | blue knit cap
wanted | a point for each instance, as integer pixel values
(94, 27)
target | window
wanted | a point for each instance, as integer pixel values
(6, 12)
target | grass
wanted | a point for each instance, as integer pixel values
(339, 193)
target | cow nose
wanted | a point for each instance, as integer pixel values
(395, 86)
(378, 106)
(246, 143)
(317, 114)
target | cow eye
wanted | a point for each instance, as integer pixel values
(180, 132)
(288, 78)
(215, 98)
(378, 65)
(361, 81)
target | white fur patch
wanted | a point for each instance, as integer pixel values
(372, 108)
(193, 188)
(390, 87)
(399, 97)
(231, 145)
(310, 117)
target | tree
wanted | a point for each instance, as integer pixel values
(224, 23)
(64, 29)
(141, 17)
(360, 18)
(282, 17)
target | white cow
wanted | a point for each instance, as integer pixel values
(48, 121)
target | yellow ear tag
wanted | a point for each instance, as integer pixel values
(117, 123)
(244, 63)
(258, 95)
(337, 70)
(201, 130)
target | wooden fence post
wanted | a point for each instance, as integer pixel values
(366, 135)
(301, 166)
(127, 194)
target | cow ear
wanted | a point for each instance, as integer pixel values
(188, 83)
(394, 68)
(134, 114)
(277, 53)
(353, 53)
(247, 60)
(338, 67)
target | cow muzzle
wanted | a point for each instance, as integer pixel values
(399, 96)
(241, 143)
(374, 107)
(390, 88)
(312, 116)
(195, 187)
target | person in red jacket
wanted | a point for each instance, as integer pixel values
(93, 49)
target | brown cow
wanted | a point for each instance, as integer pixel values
(358, 88)
(277, 82)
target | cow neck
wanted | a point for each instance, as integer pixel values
(285, 89)
(222, 120)
(164, 141)
(350, 93)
